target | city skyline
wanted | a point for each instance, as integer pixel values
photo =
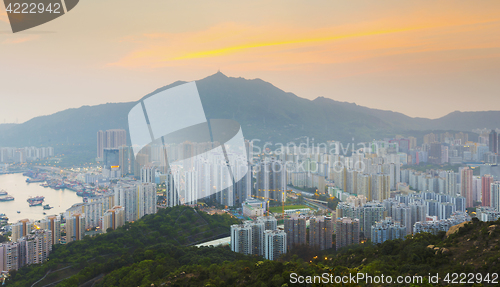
(380, 55)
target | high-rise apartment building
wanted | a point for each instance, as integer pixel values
(270, 222)
(271, 180)
(466, 186)
(241, 239)
(31, 249)
(75, 228)
(486, 182)
(295, 228)
(493, 141)
(402, 213)
(148, 173)
(387, 230)
(368, 215)
(495, 195)
(138, 199)
(347, 232)
(9, 256)
(275, 242)
(380, 185)
(451, 183)
(113, 218)
(21, 229)
(53, 224)
(321, 232)
(258, 229)
(110, 139)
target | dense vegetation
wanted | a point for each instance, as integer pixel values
(136, 258)
(474, 248)
(163, 234)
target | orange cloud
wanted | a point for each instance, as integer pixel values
(17, 40)
(284, 48)
(4, 17)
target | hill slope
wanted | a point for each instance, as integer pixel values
(132, 257)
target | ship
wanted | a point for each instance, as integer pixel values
(36, 198)
(47, 207)
(36, 203)
(31, 180)
(7, 198)
(60, 186)
(85, 193)
(3, 192)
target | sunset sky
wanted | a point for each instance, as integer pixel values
(421, 58)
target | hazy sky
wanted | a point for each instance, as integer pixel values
(421, 58)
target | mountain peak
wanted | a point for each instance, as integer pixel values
(219, 74)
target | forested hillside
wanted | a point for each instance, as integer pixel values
(147, 253)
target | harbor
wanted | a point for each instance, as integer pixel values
(54, 201)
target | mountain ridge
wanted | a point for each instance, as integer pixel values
(264, 111)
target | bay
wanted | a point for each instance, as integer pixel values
(16, 186)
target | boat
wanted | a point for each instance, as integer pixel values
(36, 198)
(7, 198)
(31, 180)
(18, 211)
(44, 213)
(3, 192)
(36, 203)
(47, 206)
(60, 186)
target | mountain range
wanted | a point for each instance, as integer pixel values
(264, 111)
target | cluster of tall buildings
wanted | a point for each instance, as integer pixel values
(129, 201)
(487, 213)
(347, 232)
(434, 226)
(33, 248)
(260, 237)
(110, 139)
(21, 155)
(30, 244)
(270, 180)
(320, 231)
(396, 217)
(387, 230)
(455, 149)
(464, 184)
(263, 237)
(192, 170)
(367, 214)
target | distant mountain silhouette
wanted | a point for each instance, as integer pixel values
(264, 111)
